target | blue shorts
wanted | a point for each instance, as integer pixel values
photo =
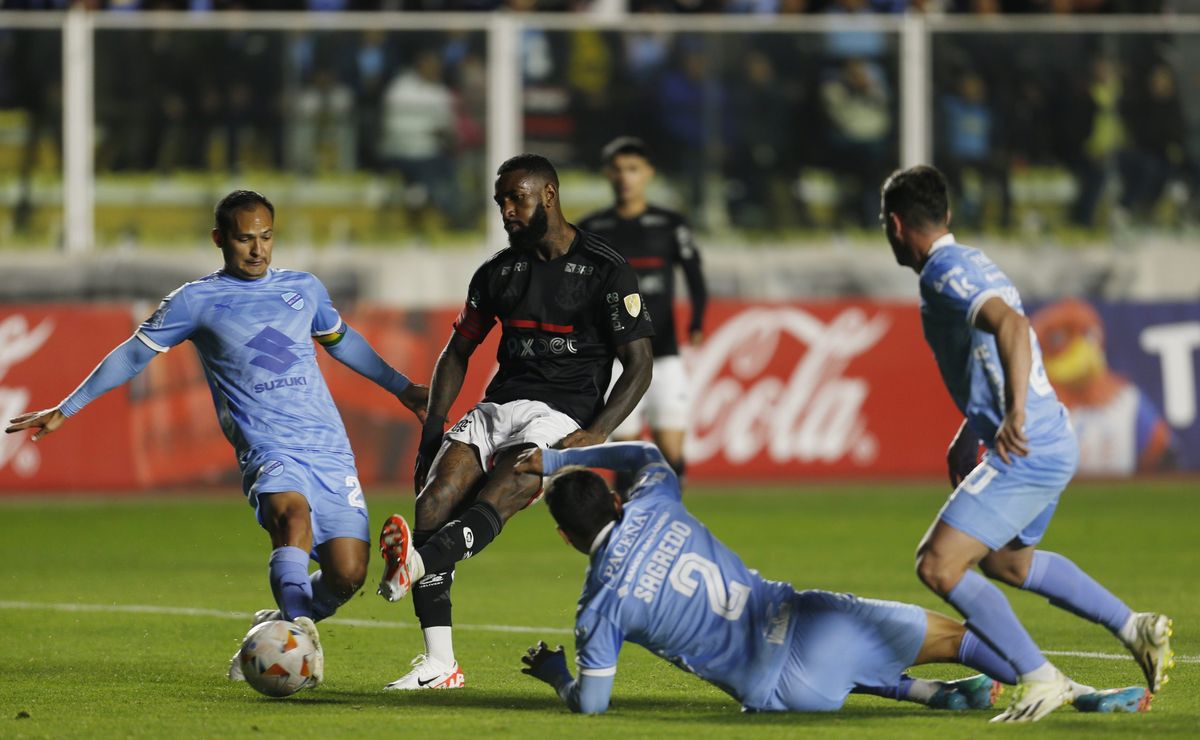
(328, 480)
(999, 503)
(840, 641)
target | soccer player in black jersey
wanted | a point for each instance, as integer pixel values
(655, 241)
(568, 304)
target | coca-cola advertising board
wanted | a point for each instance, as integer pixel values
(781, 392)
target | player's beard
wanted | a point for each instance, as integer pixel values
(530, 236)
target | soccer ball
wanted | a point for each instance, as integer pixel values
(276, 657)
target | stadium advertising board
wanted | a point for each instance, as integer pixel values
(781, 392)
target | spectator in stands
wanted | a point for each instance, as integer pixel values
(323, 125)
(1158, 142)
(370, 72)
(758, 170)
(968, 148)
(1104, 140)
(694, 118)
(858, 114)
(418, 134)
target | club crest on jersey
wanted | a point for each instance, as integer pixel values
(633, 304)
(293, 299)
(272, 468)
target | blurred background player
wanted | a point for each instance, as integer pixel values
(253, 327)
(1120, 431)
(991, 363)
(688, 598)
(567, 304)
(655, 241)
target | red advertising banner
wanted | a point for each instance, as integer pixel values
(781, 392)
(45, 351)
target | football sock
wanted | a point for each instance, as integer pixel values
(1128, 631)
(431, 594)
(289, 582)
(439, 644)
(1066, 586)
(898, 691)
(1045, 672)
(324, 601)
(461, 538)
(990, 616)
(977, 654)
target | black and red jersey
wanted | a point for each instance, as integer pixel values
(654, 244)
(562, 321)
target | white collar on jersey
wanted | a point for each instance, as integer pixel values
(941, 241)
(601, 536)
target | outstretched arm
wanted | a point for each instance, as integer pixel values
(1011, 330)
(353, 350)
(637, 366)
(619, 456)
(589, 695)
(121, 365)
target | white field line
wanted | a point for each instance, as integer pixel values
(183, 611)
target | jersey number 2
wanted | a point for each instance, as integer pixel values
(355, 497)
(725, 604)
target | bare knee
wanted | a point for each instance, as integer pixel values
(345, 578)
(938, 573)
(287, 519)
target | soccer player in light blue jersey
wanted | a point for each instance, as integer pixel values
(253, 327)
(660, 579)
(991, 363)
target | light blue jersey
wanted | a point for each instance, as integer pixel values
(255, 340)
(955, 283)
(663, 581)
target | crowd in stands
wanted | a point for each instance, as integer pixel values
(740, 122)
(637, 6)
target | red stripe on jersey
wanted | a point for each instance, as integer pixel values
(541, 326)
(473, 324)
(646, 261)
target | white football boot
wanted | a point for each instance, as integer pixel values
(429, 673)
(1033, 700)
(317, 665)
(260, 616)
(1151, 648)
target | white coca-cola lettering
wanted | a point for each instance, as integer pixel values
(814, 414)
(18, 342)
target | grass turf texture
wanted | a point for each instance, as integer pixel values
(141, 674)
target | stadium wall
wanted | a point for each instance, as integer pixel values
(783, 391)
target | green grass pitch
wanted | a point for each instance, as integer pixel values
(119, 670)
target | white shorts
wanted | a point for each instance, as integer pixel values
(665, 405)
(493, 427)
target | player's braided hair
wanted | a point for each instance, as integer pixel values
(579, 500)
(236, 201)
(918, 195)
(534, 164)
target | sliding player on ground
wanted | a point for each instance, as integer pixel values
(660, 579)
(991, 363)
(253, 327)
(567, 304)
(655, 241)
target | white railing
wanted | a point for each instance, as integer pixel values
(504, 30)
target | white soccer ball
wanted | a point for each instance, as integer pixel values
(277, 658)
